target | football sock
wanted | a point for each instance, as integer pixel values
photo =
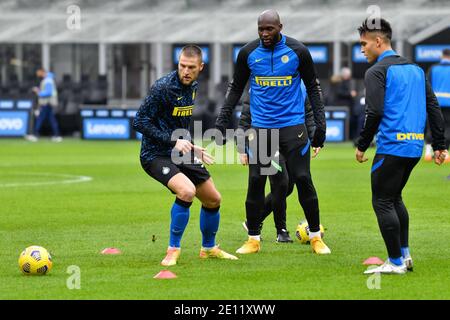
(209, 224)
(315, 234)
(397, 261)
(428, 150)
(405, 252)
(258, 238)
(179, 220)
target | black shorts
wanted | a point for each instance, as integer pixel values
(163, 169)
(292, 148)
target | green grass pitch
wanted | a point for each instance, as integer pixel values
(122, 207)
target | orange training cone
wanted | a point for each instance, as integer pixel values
(372, 261)
(111, 251)
(165, 274)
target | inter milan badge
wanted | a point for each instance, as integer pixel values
(285, 59)
(165, 170)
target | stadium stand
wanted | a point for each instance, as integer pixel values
(123, 46)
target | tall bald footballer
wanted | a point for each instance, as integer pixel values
(169, 156)
(275, 64)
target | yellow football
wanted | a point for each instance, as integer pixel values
(302, 232)
(35, 260)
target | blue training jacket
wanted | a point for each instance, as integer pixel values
(398, 98)
(275, 75)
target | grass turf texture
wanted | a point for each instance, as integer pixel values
(122, 207)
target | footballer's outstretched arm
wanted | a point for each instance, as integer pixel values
(145, 119)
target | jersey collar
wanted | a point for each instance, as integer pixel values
(279, 43)
(385, 54)
(282, 40)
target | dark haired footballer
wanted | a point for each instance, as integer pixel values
(398, 101)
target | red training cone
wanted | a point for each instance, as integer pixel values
(165, 274)
(373, 260)
(111, 251)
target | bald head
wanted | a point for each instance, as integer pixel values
(269, 28)
(269, 16)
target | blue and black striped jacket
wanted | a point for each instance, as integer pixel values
(167, 107)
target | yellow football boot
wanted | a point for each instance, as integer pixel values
(217, 253)
(250, 246)
(171, 257)
(318, 246)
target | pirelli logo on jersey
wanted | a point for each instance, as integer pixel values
(410, 136)
(284, 81)
(182, 111)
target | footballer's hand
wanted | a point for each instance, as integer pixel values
(316, 151)
(439, 156)
(184, 146)
(204, 156)
(360, 156)
(319, 138)
(243, 157)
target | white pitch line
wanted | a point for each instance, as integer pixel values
(70, 179)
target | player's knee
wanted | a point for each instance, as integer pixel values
(214, 201)
(284, 185)
(217, 199)
(380, 202)
(255, 180)
(279, 189)
(251, 201)
(290, 188)
(398, 200)
(385, 211)
(388, 222)
(303, 177)
(186, 194)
